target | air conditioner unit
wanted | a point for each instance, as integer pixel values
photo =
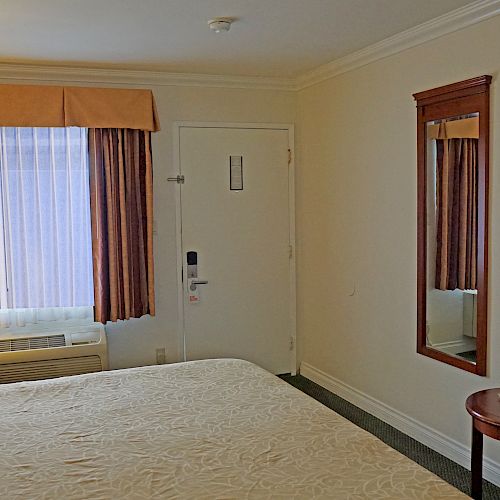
(53, 353)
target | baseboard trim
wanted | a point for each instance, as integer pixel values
(449, 343)
(430, 437)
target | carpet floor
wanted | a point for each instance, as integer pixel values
(443, 467)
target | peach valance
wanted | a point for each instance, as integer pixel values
(466, 128)
(51, 106)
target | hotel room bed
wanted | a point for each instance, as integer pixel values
(215, 429)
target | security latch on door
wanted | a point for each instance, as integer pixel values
(179, 179)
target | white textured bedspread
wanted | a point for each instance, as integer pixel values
(216, 429)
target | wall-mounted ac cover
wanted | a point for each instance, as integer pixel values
(53, 353)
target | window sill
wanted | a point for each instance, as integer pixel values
(19, 322)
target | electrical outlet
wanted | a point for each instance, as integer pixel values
(161, 357)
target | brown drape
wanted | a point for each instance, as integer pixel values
(456, 206)
(121, 191)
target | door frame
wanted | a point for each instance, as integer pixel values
(289, 127)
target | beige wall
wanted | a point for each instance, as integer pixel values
(356, 226)
(133, 343)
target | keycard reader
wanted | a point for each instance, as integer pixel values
(192, 264)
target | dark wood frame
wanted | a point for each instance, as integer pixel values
(457, 99)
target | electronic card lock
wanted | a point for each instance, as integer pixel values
(192, 278)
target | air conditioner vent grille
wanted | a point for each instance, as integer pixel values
(37, 370)
(29, 343)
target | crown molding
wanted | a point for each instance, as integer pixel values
(448, 23)
(65, 74)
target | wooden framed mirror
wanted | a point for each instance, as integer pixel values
(452, 226)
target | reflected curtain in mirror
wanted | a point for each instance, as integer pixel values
(456, 204)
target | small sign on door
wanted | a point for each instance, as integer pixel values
(236, 173)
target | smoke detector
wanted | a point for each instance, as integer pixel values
(220, 24)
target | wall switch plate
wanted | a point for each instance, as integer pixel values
(161, 357)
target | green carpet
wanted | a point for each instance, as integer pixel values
(443, 467)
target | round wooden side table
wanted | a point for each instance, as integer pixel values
(484, 406)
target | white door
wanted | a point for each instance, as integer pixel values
(241, 239)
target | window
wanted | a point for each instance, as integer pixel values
(45, 229)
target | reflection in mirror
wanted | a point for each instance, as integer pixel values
(452, 188)
(452, 224)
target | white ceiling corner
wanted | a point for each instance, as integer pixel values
(430, 30)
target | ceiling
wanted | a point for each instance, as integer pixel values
(269, 38)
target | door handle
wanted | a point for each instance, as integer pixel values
(194, 283)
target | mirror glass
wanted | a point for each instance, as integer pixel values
(452, 200)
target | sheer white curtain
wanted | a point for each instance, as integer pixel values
(45, 231)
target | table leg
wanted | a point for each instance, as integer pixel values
(477, 464)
